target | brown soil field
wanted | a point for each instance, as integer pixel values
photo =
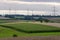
(33, 38)
(52, 24)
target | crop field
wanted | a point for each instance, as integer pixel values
(27, 29)
(30, 27)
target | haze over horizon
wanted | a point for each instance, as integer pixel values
(45, 7)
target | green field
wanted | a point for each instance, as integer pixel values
(16, 28)
(31, 27)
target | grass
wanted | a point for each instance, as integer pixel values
(32, 27)
(8, 32)
(3, 21)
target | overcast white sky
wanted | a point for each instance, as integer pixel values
(43, 7)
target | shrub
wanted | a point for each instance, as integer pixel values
(14, 35)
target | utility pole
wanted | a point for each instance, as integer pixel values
(3, 12)
(27, 14)
(54, 11)
(15, 11)
(9, 10)
(32, 15)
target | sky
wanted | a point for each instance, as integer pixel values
(37, 7)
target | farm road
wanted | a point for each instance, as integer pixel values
(33, 38)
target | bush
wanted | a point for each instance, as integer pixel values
(14, 35)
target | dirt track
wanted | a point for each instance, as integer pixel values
(33, 38)
(50, 24)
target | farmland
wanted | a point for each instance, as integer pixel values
(27, 29)
(31, 27)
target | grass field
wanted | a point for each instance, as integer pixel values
(31, 27)
(14, 28)
(6, 32)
